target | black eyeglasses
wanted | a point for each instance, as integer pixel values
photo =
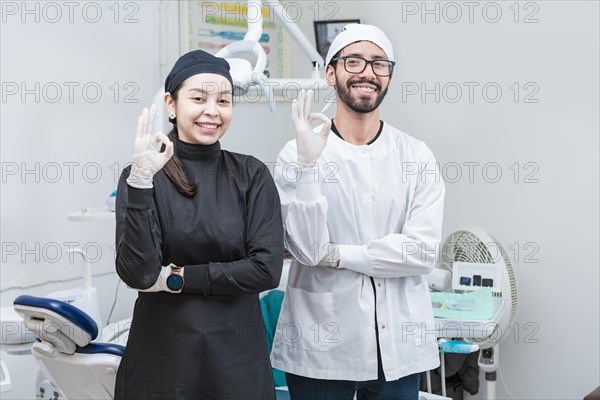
(356, 65)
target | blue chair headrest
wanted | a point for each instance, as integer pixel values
(65, 310)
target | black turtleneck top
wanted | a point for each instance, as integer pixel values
(209, 340)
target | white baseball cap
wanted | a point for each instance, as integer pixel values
(356, 33)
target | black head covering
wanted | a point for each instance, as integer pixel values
(196, 62)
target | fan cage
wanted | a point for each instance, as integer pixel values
(467, 246)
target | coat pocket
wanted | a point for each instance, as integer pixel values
(422, 324)
(307, 320)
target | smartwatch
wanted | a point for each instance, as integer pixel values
(175, 280)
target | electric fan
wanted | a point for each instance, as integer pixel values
(476, 260)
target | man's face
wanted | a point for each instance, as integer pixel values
(361, 92)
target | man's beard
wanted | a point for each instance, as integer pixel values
(360, 105)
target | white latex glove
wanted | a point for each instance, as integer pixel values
(310, 144)
(161, 283)
(332, 257)
(147, 158)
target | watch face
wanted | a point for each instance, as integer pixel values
(175, 282)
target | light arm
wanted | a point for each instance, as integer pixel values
(284, 19)
(245, 76)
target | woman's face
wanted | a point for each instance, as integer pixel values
(203, 109)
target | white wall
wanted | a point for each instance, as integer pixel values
(546, 216)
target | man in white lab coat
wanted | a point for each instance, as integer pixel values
(362, 209)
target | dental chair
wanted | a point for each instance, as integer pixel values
(77, 367)
(78, 360)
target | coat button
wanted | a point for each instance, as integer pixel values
(382, 326)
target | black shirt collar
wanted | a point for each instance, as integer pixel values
(193, 151)
(335, 130)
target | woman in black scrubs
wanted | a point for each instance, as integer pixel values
(199, 234)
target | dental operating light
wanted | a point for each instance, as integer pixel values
(245, 76)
